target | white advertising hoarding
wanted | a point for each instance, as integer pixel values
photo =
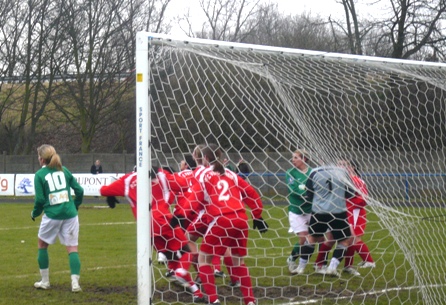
(7, 184)
(23, 184)
(92, 183)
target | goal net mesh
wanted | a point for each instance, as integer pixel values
(260, 104)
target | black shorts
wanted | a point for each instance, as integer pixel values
(337, 224)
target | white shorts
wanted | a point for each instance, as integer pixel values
(298, 222)
(67, 230)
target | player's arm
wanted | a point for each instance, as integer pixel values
(309, 187)
(176, 182)
(39, 199)
(193, 201)
(251, 198)
(78, 190)
(116, 188)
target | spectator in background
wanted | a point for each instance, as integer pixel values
(228, 164)
(96, 168)
(53, 184)
(243, 168)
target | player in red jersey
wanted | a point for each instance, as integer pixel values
(223, 194)
(357, 218)
(170, 241)
(195, 221)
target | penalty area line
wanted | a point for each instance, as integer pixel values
(81, 224)
(382, 291)
(65, 271)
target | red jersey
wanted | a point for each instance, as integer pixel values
(126, 186)
(164, 237)
(223, 194)
(191, 177)
(358, 200)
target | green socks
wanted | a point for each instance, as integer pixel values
(75, 263)
(42, 258)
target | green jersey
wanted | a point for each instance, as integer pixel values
(296, 180)
(53, 193)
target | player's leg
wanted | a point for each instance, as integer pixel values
(43, 261)
(342, 234)
(212, 244)
(238, 246)
(361, 247)
(48, 232)
(299, 225)
(69, 236)
(323, 252)
(294, 228)
(178, 248)
(216, 262)
(349, 254)
(356, 228)
(316, 229)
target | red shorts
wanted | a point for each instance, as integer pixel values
(227, 231)
(170, 239)
(357, 219)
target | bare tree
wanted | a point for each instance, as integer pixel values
(96, 72)
(29, 40)
(228, 20)
(292, 31)
(352, 25)
(416, 24)
(412, 29)
(12, 27)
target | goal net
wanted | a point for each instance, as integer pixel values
(262, 103)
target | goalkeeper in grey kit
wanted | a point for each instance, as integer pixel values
(53, 184)
(328, 189)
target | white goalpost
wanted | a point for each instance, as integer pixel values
(143, 164)
(260, 104)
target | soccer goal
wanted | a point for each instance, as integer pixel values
(262, 103)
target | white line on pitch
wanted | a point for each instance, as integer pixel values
(66, 271)
(86, 224)
(313, 301)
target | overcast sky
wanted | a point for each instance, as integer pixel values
(296, 7)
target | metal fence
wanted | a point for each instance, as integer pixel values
(393, 189)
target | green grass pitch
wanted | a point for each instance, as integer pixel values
(108, 274)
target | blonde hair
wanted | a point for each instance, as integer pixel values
(197, 154)
(49, 156)
(302, 153)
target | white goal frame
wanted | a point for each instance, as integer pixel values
(144, 41)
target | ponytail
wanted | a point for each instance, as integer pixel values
(213, 154)
(50, 157)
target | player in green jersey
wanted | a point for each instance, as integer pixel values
(53, 184)
(299, 209)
